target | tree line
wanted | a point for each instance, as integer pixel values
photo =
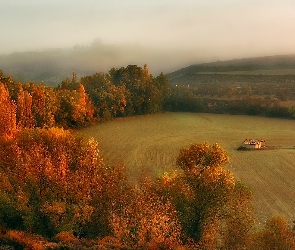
(122, 92)
(129, 91)
(188, 98)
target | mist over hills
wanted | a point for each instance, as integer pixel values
(51, 66)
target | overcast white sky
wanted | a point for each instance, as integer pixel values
(221, 28)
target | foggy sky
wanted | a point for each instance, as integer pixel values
(200, 30)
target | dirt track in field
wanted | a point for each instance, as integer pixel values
(151, 144)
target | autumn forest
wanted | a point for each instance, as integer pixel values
(56, 192)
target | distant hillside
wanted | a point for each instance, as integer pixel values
(53, 65)
(269, 65)
(48, 66)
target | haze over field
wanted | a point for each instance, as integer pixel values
(165, 34)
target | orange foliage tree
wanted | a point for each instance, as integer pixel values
(276, 234)
(147, 221)
(44, 105)
(7, 113)
(53, 180)
(24, 113)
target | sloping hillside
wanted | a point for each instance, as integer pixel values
(269, 65)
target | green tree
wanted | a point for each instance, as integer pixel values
(75, 108)
(182, 99)
(108, 99)
(144, 94)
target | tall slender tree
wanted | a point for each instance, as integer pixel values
(7, 113)
(24, 112)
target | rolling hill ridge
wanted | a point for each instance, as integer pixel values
(268, 65)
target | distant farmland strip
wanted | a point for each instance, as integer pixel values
(252, 72)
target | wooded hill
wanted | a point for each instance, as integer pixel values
(254, 86)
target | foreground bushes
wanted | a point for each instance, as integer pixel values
(51, 181)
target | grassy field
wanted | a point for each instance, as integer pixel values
(151, 144)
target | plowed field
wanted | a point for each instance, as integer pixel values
(151, 144)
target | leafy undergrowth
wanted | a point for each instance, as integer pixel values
(13, 239)
(18, 240)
